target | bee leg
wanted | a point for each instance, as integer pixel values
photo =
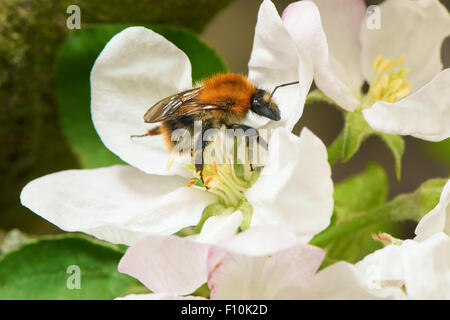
(198, 157)
(253, 133)
(152, 132)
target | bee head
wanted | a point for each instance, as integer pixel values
(263, 105)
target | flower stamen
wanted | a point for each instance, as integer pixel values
(389, 82)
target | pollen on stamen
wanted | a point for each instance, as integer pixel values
(207, 181)
(191, 183)
(215, 167)
(169, 163)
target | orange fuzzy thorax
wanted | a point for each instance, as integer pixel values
(230, 87)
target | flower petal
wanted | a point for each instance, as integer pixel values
(157, 296)
(259, 263)
(119, 204)
(344, 281)
(137, 68)
(294, 190)
(438, 219)
(425, 114)
(275, 60)
(167, 264)
(427, 267)
(332, 39)
(414, 28)
(218, 228)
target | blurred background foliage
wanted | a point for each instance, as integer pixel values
(44, 90)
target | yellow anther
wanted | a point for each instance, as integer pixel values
(389, 85)
(400, 60)
(377, 62)
(169, 163)
(386, 65)
(396, 84)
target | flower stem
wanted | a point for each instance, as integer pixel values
(335, 148)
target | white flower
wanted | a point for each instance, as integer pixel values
(259, 263)
(408, 93)
(122, 204)
(438, 219)
(415, 269)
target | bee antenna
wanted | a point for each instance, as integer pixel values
(283, 85)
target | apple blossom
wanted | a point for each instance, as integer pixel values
(122, 204)
(409, 269)
(259, 263)
(408, 93)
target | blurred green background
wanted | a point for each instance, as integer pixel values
(31, 140)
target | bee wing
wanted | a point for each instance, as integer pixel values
(182, 103)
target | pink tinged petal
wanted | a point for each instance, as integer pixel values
(137, 68)
(294, 190)
(275, 60)
(414, 28)
(119, 204)
(425, 114)
(438, 219)
(218, 228)
(167, 264)
(259, 264)
(158, 296)
(332, 39)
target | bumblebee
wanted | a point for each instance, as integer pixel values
(221, 101)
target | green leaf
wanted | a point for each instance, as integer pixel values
(73, 65)
(335, 149)
(361, 192)
(39, 270)
(356, 194)
(356, 130)
(410, 206)
(396, 144)
(439, 151)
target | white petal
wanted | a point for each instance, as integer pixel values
(157, 296)
(294, 190)
(137, 68)
(167, 264)
(342, 281)
(332, 39)
(425, 114)
(415, 28)
(119, 204)
(422, 267)
(438, 219)
(259, 263)
(427, 267)
(218, 228)
(275, 60)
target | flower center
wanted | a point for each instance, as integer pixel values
(228, 181)
(389, 80)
